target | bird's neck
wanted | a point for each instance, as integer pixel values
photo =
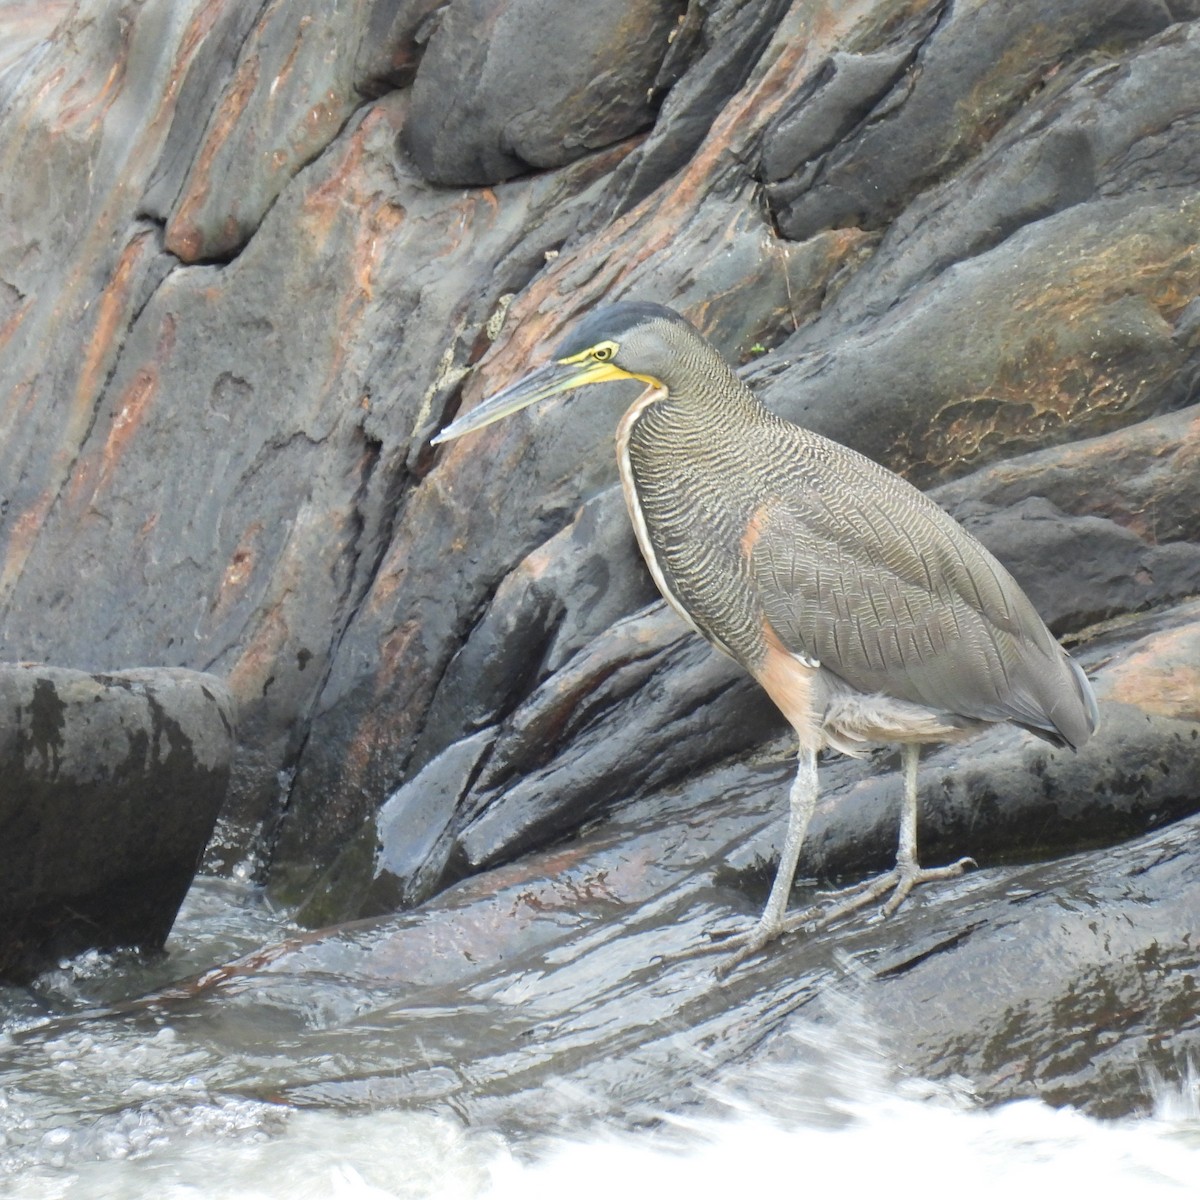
(707, 392)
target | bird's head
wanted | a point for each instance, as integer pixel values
(631, 340)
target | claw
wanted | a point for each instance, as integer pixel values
(900, 881)
(910, 878)
(762, 935)
(753, 943)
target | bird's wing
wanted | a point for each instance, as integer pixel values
(858, 570)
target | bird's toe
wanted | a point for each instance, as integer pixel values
(910, 875)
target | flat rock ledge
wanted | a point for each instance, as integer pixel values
(110, 785)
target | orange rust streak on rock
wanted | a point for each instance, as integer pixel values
(238, 571)
(193, 37)
(133, 405)
(372, 237)
(14, 323)
(1135, 263)
(393, 651)
(323, 203)
(1161, 675)
(51, 83)
(249, 675)
(21, 538)
(384, 728)
(86, 477)
(69, 114)
(374, 218)
(21, 400)
(109, 316)
(185, 238)
(147, 528)
(290, 62)
(237, 574)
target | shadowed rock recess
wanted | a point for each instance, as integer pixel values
(253, 256)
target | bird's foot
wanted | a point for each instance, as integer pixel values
(910, 877)
(762, 934)
(900, 881)
(744, 946)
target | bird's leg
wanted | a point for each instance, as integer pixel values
(910, 871)
(907, 867)
(904, 876)
(802, 799)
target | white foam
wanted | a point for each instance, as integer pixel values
(888, 1145)
(896, 1148)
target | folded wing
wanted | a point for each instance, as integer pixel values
(860, 571)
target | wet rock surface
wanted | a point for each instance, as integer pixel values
(578, 983)
(111, 787)
(1000, 797)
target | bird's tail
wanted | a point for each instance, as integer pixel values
(1071, 714)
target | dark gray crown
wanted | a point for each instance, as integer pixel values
(609, 322)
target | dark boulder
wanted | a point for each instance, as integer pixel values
(109, 789)
(510, 85)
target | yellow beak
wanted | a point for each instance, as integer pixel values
(550, 380)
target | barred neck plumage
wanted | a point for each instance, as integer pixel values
(697, 376)
(687, 456)
(703, 392)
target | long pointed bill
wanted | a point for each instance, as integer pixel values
(547, 381)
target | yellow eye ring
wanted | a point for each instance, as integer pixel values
(603, 353)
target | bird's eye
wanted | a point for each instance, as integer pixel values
(603, 353)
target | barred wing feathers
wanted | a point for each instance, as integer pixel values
(857, 569)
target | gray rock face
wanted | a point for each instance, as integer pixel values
(717, 48)
(998, 797)
(111, 785)
(261, 93)
(960, 238)
(1055, 198)
(884, 124)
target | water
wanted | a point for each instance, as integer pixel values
(822, 1111)
(407, 1155)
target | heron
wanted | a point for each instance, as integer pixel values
(866, 612)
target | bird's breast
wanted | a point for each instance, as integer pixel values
(637, 513)
(691, 505)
